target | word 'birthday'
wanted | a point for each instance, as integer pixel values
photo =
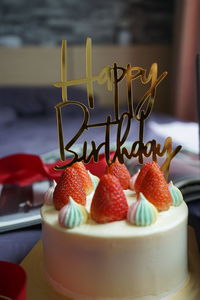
(111, 76)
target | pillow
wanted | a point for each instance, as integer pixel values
(31, 101)
(51, 96)
(7, 116)
(22, 99)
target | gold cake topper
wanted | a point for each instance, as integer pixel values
(112, 76)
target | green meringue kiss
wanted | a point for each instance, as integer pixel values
(177, 197)
(142, 212)
(95, 179)
(72, 215)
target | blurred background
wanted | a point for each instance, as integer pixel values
(138, 32)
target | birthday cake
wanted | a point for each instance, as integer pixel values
(115, 237)
(122, 241)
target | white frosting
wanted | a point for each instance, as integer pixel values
(117, 260)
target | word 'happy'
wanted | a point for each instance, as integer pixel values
(112, 77)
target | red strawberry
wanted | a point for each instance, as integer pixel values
(85, 177)
(109, 201)
(154, 187)
(142, 174)
(121, 172)
(70, 184)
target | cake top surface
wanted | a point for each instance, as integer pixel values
(118, 229)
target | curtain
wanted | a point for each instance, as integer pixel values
(185, 47)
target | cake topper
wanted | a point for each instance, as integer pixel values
(112, 76)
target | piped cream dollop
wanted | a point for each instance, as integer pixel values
(142, 212)
(48, 196)
(72, 215)
(177, 197)
(95, 179)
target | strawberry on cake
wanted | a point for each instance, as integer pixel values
(109, 202)
(117, 237)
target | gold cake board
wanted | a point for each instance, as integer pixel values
(38, 288)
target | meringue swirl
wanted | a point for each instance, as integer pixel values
(177, 197)
(133, 180)
(95, 179)
(72, 215)
(142, 212)
(48, 196)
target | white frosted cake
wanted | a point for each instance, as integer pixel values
(141, 256)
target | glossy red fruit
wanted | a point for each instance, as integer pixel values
(109, 201)
(69, 184)
(121, 172)
(85, 177)
(155, 188)
(142, 174)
